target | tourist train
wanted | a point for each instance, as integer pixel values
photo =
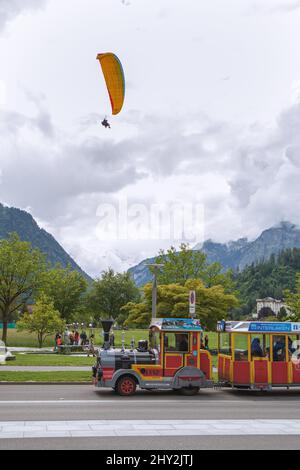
(250, 355)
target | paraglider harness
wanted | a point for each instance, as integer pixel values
(105, 123)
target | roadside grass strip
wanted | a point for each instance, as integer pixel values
(78, 376)
(48, 360)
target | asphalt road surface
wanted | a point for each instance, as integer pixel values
(81, 417)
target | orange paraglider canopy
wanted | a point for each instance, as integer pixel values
(114, 77)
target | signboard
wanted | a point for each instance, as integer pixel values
(258, 327)
(192, 302)
(262, 327)
(177, 324)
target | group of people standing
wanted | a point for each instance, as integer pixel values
(73, 338)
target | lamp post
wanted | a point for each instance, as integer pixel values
(155, 267)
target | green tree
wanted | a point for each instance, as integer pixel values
(66, 288)
(212, 303)
(110, 293)
(21, 275)
(214, 276)
(282, 315)
(137, 314)
(292, 299)
(180, 266)
(44, 320)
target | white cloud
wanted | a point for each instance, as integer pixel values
(274, 6)
(199, 123)
(248, 178)
(9, 9)
(287, 6)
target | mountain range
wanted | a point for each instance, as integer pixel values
(236, 255)
(21, 222)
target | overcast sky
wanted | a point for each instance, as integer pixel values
(211, 119)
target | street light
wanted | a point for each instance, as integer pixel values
(155, 267)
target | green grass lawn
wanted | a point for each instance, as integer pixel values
(45, 376)
(25, 339)
(213, 339)
(49, 360)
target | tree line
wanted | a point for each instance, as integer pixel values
(59, 295)
(62, 295)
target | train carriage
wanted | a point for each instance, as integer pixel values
(258, 355)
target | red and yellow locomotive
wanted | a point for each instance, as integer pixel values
(171, 359)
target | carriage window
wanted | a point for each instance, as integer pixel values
(240, 347)
(279, 349)
(178, 342)
(294, 348)
(260, 346)
(225, 343)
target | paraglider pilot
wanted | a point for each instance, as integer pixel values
(105, 123)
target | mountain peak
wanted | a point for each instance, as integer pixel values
(286, 225)
(237, 254)
(237, 244)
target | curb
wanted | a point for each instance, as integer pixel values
(45, 383)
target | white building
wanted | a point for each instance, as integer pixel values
(273, 304)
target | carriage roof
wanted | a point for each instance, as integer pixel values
(258, 327)
(176, 324)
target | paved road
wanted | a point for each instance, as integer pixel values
(273, 420)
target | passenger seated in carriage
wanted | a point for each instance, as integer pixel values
(256, 350)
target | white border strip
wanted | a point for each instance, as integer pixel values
(139, 428)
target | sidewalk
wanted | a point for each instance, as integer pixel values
(24, 349)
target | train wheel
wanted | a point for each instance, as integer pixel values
(189, 391)
(126, 386)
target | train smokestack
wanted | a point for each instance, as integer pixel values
(106, 325)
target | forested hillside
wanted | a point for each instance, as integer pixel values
(21, 222)
(268, 279)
